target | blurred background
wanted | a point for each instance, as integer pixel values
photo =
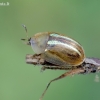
(79, 19)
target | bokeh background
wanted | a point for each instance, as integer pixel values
(79, 19)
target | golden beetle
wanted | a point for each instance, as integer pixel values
(56, 51)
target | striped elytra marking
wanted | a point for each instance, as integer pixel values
(65, 49)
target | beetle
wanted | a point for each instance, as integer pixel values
(56, 51)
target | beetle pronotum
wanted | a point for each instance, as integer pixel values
(56, 51)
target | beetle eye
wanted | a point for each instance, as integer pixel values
(29, 41)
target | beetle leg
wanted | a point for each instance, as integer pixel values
(71, 72)
(43, 68)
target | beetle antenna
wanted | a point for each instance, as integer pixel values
(25, 30)
(25, 40)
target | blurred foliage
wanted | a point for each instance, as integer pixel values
(79, 19)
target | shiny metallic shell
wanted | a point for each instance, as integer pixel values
(63, 51)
